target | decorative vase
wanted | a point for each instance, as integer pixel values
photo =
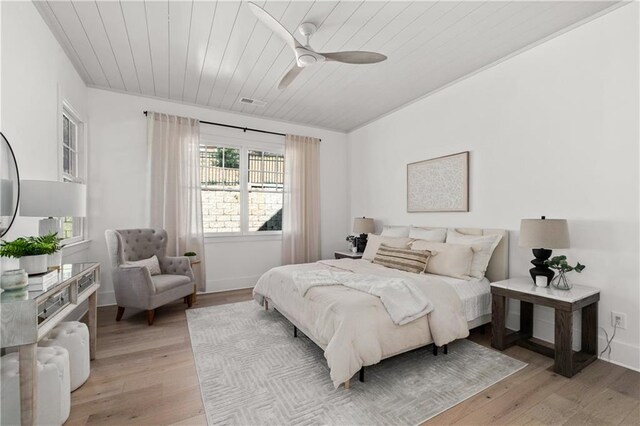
(561, 282)
(33, 265)
(192, 258)
(54, 261)
(15, 279)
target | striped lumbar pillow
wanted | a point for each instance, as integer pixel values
(403, 259)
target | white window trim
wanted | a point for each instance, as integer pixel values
(244, 145)
(66, 108)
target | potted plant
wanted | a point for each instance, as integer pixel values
(32, 252)
(351, 239)
(560, 264)
(54, 259)
(192, 255)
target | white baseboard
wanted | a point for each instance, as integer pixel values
(216, 286)
(622, 353)
(108, 298)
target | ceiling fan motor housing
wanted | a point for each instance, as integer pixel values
(306, 57)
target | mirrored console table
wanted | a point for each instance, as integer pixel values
(28, 316)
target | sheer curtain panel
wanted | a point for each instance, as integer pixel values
(301, 208)
(174, 185)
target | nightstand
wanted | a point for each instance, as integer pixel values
(347, 255)
(564, 302)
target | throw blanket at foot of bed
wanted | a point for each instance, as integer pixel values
(403, 300)
(353, 327)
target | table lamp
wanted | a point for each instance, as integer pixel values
(541, 235)
(363, 226)
(52, 200)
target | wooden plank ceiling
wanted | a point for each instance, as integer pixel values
(213, 53)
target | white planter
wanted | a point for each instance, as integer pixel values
(54, 261)
(34, 264)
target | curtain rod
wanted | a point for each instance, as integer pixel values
(244, 129)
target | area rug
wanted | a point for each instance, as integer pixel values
(252, 371)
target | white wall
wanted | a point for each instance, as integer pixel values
(117, 195)
(552, 131)
(35, 75)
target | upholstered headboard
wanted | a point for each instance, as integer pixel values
(498, 268)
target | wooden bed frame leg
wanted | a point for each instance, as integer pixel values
(446, 349)
(266, 304)
(435, 350)
(295, 331)
(362, 374)
(346, 385)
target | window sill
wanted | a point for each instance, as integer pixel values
(214, 239)
(76, 247)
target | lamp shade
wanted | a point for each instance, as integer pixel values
(544, 233)
(40, 198)
(363, 225)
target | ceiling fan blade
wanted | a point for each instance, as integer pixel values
(273, 24)
(354, 57)
(289, 76)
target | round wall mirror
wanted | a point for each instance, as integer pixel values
(9, 186)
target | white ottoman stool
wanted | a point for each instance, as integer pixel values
(54, 395)
(74, 337)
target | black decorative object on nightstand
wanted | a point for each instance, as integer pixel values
(540, 269)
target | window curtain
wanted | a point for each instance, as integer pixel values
(174, 185)
(301, 206)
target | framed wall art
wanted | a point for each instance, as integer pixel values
(439, 184)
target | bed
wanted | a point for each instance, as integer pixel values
(354, 328)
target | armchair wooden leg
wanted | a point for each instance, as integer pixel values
(119, 314)
(189, 299)
(150, 316)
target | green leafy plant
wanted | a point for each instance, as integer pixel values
(351, 239)
(560, 263)
(30, 246)
(190, 254)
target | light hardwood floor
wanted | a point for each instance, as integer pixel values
(146, 375)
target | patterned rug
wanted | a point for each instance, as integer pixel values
(253, 371)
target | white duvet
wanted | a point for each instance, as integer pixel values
(401, 297)
(353, 326)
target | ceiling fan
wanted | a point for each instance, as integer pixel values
(305, 55)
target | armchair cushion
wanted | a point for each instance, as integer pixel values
(163, 282)
(151, 263)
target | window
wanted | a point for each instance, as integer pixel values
(72, 169)
(242, 189)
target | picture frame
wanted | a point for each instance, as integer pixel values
(439, 184)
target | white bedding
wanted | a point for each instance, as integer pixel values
(352, 326)
(474, 294)
(401, 297)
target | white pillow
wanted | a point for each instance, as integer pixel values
(486, 243)
(151, 263)
(437, 235)
(374, 241)
(451, 260)
(395, 231)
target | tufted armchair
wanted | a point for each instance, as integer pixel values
(134, 286)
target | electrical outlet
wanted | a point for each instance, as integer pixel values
(620, 319)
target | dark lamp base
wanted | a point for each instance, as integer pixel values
(361, 242)
(540, 269)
